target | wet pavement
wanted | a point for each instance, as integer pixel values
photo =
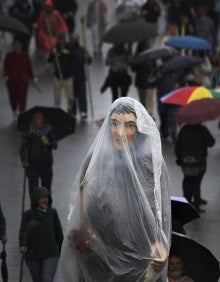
(69, 155)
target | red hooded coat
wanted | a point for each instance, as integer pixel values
(49, 25)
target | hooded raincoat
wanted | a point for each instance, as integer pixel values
(49, 25)
(122, 202)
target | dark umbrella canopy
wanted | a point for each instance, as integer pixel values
(63, 124)
(4, 269)
(10, 24)
(189, 42)
(199, 111)
(182, 210)
(181, 63)
(154, 54)
(199, 263)
(126, 32)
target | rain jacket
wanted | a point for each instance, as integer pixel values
(41, 231)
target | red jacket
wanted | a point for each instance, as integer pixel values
(17, 66)
(48, 28)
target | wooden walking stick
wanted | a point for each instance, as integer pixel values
(83, 25)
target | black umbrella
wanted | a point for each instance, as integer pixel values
(128, 32)
(63, 124)
(9, 23)
(199, 263)
(182, 210)
(181, 63)
(4, 269)
(154, 54)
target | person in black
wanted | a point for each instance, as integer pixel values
(21, 10)
(3, 236)
(36, 153)
(118, 79)
(67, 9)
(61, 59)
(150, 11)
(80, 58)
(143, 71)
(191, 152)
(41, 237)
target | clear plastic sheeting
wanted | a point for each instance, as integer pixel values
(121, 216)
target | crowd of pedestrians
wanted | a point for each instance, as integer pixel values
(53, 25)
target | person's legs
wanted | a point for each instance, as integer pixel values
(149, 101)
(12, 95)
(35, 267)
(46, 175)
(49, 269)
(33, 179)
(162, 110)
(188, 187)
(114, 90)
(69, 93)
(82, 97)
(22, 97)
(57, 86)
(142, 96)
(197, 189)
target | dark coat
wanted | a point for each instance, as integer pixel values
(41, 233)
(32, 148)
(192, 143)
(65, 62)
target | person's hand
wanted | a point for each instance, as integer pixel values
(65, 51)
(45, 141)
(4, 239)
(6, 78)
(23, 250)
(25, 164)
(158, 250)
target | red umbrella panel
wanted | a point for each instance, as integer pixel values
(185, 95)
(199, 111)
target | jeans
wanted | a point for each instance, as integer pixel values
(42, 270)
(34, 174)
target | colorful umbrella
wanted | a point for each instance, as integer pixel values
(185, 95)
(199, 111)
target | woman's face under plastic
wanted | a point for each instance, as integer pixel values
(123, 129)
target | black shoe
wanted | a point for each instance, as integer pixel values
(200, 210)
(203, 202)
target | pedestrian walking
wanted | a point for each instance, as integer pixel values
(36, 153)
(62, 60)
(80, 57)
(18, 74)
(150, 11)
(67, 9)
(97, 19)
(41, 237)
(143, 72)
(191, 152)
(118, 79)
(50, 23)
(3, 236)
(121, 212)
(21, 10)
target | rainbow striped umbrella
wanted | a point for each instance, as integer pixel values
(185, 95)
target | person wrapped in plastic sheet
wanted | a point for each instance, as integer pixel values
(119, 227)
